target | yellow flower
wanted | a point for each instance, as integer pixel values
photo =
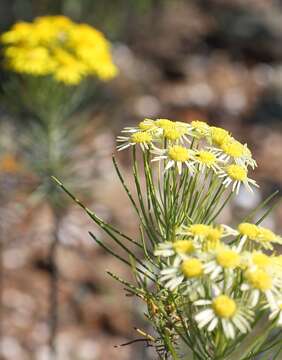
(224, 306)
(206, 157)
(141, 137)
(233, 148)
(219, 135)
(212, 240)
(192, 268)
(249, 230)
(236, 172)
(266, 235)
(57, 46)
(201, 128)
(19, 32)
(261, 260)
(259, 279)
(146, 124)
(178, 153)
(228, 258)
(183, 246)
(199, 229)
(164, 123)
(34, 61)
(69, 70)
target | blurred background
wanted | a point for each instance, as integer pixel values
(213, 60)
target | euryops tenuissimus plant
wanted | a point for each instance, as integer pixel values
(212, 291)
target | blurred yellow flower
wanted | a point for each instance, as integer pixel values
(55, 45)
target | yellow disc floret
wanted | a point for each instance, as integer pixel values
(219, 135)
(266, 235)
(164, 123)
(178, 153)
(199, 229)
(224, 306)
(237, 172)
(141, 137)
(212, 239)
(146, 124)
(249, 230)
(233, 148)
(228, 258)
(206, 157)
(173, 133)
(192, 268)
(201, 127)
(183, 246)
(261, 260)
(259, 279)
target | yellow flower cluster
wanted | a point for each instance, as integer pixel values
(244, 279)
(194, 147)
(56, 46)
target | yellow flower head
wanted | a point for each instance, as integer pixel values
(141, 137)
(237, 172)
(173, 133)
(219, 135)
(19, 32)
(259, 279)
(212, 240)
(183, 246)
(249, 230)
(199, 229)
(201, 127)
(233, 148)
(228, 258)
(164, 123)
(261, 260)
(178, 153)
(266, 235)
(192, 268)
(54, 45)
(206, 157)
(146, 124)
(224, 306)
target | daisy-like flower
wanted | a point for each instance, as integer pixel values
(217, 135)
(200, 129)
(206, 236)
(261, 282)
(224, 311)
(223, 259)
(257, 260)
(178, 247)
(188, 272)
(261, 235)
(143, 138)
(176, 156)
(276, 313)
(239, 153)
(164, 123)
(176, 132)
(266, 237)
(208, 159)
(236, 175)
(144, 125)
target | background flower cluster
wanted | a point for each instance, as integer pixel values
(56, 46)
